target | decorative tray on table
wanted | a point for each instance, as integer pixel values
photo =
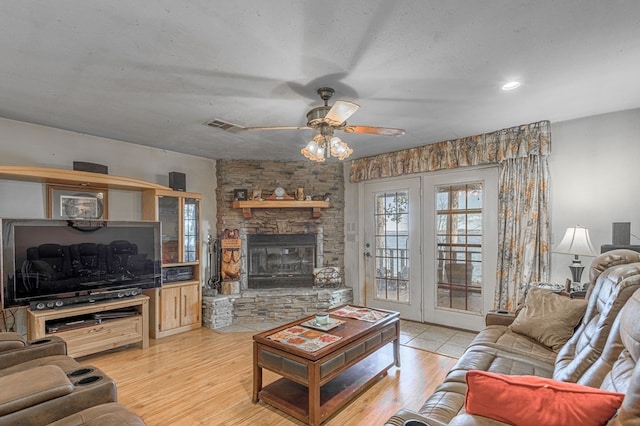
(304, 338)
(332, 323)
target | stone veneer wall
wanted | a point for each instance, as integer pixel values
(316, 178)
(270, 305)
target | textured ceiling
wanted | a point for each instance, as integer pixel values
(152, 72)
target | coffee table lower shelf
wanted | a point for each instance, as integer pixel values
(293, 398)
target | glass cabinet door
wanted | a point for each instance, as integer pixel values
(190, 231)
(168, 215)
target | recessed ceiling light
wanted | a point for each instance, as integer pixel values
(511, 85)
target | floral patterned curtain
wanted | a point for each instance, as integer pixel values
(524, 233)
(523, 214)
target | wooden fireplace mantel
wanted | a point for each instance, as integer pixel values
(246, 206)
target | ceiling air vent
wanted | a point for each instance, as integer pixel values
(223, 125)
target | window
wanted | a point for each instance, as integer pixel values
(459, 246)
(391, 218)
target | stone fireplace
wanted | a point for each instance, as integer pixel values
(316, 179)
(290, 296)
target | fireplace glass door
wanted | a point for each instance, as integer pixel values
(281, 261)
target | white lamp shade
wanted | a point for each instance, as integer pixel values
(576, 241)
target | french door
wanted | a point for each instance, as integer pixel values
(431, 246)
(460, 229)
(392, 247)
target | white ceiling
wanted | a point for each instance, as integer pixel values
(152, 72)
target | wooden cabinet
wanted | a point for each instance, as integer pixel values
(176, 306)
(191, 305)
(87, 339)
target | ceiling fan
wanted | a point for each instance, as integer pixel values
(326, 119)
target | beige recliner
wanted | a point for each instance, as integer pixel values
(40, 384)
(16, 354)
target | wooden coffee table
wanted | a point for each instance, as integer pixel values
(315, 385)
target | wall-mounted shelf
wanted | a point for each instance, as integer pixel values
(246, 206)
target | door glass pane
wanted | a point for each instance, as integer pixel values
(391, 220)
(190, 229)
(168, 208)
(459, 246)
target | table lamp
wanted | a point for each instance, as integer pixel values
(576, 241)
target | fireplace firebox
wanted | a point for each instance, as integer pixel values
(280, 260)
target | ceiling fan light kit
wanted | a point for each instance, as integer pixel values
(326, 120)
(315, 149)
(322, 147)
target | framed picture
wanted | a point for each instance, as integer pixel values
(76, 202)
(257, 194)
(240, 194)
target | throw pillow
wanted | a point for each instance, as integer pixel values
(548, 317)
(535, 401)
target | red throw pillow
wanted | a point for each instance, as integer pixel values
(535, 401)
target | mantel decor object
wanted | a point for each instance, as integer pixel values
(240, 194)
(280, 194)
(257, 195)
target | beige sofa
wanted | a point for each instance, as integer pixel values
(601, 353)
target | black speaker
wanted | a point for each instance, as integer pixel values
(621, 234)
(83, 166)
(177, 181)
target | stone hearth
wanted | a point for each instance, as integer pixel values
(270, 305)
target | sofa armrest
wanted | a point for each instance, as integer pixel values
(406, 417)
(499, 317)
(28, 388)
(88, 387)
(48, 346)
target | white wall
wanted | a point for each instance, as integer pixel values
(353, 246)
(594, 180)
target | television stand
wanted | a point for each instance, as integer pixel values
(94, 337)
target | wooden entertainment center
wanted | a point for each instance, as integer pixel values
(101, 336)
(173, 308)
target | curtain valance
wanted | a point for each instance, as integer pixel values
(489, 148)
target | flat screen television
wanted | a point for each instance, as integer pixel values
(44, 260)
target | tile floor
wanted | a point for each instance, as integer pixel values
(435, 338)
(429, 337)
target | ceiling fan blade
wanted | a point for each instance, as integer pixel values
(384, 131)
(340, 112)
(278, 128)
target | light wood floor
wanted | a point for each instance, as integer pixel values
(205, 378)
